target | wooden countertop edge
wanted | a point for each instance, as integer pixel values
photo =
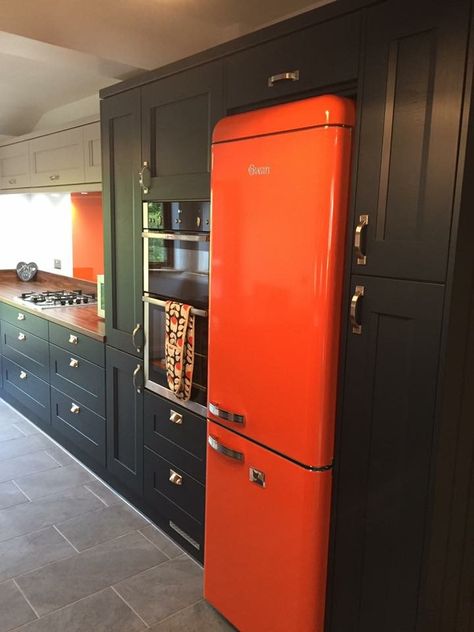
(69, 324)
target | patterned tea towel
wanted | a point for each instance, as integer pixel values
(179, 348)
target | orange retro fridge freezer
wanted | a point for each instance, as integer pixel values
(279, 194)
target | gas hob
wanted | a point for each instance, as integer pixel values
(58, 298)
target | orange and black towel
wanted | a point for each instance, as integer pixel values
(179, 348)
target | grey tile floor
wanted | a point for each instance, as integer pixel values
(75, 557)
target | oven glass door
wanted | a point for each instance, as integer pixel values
(155, 358)
(177, 266)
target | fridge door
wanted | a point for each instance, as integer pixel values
(267, 524)
(279, 213)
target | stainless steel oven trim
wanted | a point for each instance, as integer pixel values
(158, 388)
(157, 301)
(147, 234)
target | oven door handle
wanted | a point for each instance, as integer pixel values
(147, 234)
(161, 303)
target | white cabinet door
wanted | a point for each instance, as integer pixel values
(14, 166)
(57, 159)
(92, 156)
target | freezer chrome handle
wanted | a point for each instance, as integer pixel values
(225, 414)
(222, 449)
(293, 75)
(361, 256)
(356, 326)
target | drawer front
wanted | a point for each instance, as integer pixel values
(29, 322)
(176, 485)
(176, 434)
(78, 378)
(188, 529)
(77, 343)
(322, 55)
(79, 425)
(27, 350)
(28, 389)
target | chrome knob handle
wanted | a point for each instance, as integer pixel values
(74, 363)
(73, 339)
(20, 316)
(75, 409)
(23, 375)
(175, 478)
(176, 418)
(21, 336)
(12, 181)
(53, 177)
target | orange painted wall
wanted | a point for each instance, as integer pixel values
(87, 236)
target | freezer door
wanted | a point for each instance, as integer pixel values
(279, 214)
(267, 524)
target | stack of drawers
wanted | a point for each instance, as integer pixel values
(78, 390)
(25, 369)
(175, 468)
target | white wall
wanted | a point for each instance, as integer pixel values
(36, 227)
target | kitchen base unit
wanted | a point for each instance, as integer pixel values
(267, 538)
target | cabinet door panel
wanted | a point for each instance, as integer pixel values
(120, 118)
(57, 158)
(14, 166)
(124, 419)
(179, 114)
(411, 106)
(383, 455)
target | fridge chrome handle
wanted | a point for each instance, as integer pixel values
(225, 414)
(356, 326)
(222, 449)
(361, 256)
(293, 75)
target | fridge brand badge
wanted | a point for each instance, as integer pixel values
(253, 170)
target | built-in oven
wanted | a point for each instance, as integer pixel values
(176, 267)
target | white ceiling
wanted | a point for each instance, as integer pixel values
(54, 53)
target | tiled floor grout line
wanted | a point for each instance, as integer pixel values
(20, 430)
(55, 460)
(25, 598)
(170, 616)
(18, 487)
(96, 495)
(63, 536)
(154, 544)
(130, 606)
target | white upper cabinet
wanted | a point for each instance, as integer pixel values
(14, 166)
(92, 153)
(57, 158)
(63, 158)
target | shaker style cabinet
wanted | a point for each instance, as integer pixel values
(178, 116)
(325, 54)
(14, 166)
(124, 376)
(120, 122)
(383, 458)
(57, 158)
(410, 106)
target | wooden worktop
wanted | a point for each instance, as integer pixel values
(83, 319)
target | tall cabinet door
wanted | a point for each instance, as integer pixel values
(120, 122)
(179, 114)
(411, 106)
(125, 418)
(383, 454)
